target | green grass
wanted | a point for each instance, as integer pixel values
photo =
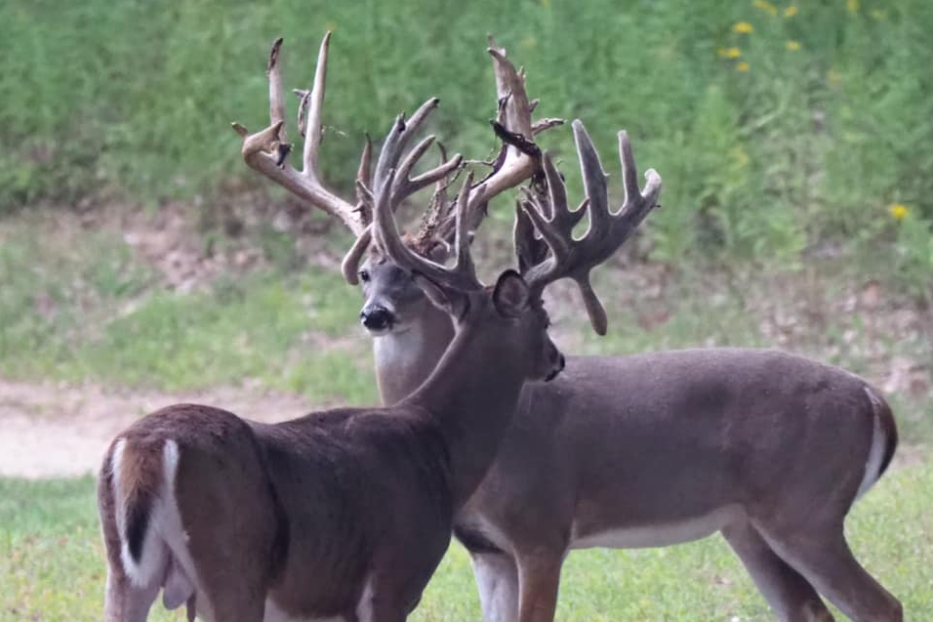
(83, 307)
(807, 147)
(52, 564)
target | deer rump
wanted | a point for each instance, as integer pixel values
(304, 498)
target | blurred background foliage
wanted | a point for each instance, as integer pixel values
(780, 129)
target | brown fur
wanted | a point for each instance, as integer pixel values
(312, 512)
(642, 440)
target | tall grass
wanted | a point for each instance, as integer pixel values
(798, 133)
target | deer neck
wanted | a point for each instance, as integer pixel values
(472, 393)
(404, 360)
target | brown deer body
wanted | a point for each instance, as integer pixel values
(655, 449)
(341, 514)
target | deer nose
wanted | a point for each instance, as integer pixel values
(561, 363)
(375, 317)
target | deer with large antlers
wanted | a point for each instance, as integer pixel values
(769, 449)
(342, 514)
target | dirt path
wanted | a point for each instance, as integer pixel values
(47, 430)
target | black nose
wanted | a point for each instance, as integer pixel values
(375, 317)
(561, 363)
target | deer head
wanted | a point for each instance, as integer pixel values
(392, 301)
(510, 312)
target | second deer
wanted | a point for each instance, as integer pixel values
(770, 449)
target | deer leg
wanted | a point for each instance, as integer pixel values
(235, 604)
(823, 556)
(789, 595)
(497, 580)
(539, 580)
(124, 602)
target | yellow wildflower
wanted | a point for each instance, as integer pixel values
(743, 28)
(743, 66)
(879, 15)
(790, 11)
(765, 6)
(740, 156)
(729, 52)
(898, 211)
(852, 5)
(793, 46)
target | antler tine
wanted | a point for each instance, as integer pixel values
(266, 151)
(513, 126)
(276, 92)
(364, 196)
(460, 278)
(315, 108)
(519, 158)
(351, 261)
(637, 202)
(607, 231)
(403, 185)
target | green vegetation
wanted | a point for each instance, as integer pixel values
(83, 307)
(778, 127)
(51, 563)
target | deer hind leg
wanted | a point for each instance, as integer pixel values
(539, 582)
(125, 602)
(789, 595)
(497, 580)
(823, 556)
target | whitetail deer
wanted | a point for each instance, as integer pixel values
(650, 450)
(247, 522)
(339, 514)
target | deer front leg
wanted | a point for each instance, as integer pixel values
(497, 580)
(539, 580)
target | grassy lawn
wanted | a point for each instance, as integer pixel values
(52, 563)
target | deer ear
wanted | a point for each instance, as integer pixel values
(454, 305)
(511, 295)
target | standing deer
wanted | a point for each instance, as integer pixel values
(250, 522)
(339, 514)
(651, 450)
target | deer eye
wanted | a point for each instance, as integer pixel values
(364, 276)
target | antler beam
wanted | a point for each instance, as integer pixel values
(267, 150)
